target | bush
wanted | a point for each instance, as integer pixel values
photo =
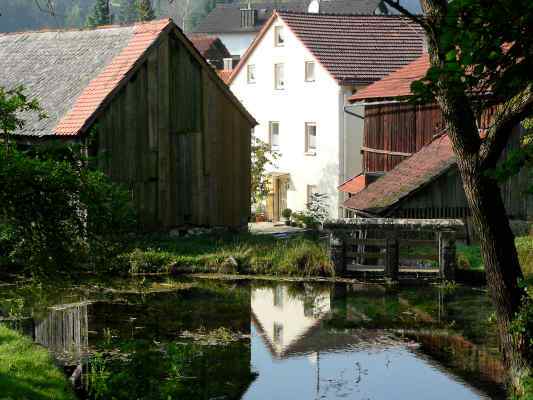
(57, 214)
(286, 213)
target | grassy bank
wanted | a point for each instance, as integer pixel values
(27, 371)
(469, 257)
(235, 254)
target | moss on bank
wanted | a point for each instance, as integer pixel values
(236, 254)
(27, 370)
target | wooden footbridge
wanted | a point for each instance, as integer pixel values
(388, 248)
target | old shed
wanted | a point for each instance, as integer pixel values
(145, 102)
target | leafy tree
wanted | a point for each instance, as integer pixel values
(318, 207)
(12, 104)
(145, 10)
(129, 11)
(481, 56)
(101, 14)
(262, 157)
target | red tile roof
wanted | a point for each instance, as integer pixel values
(225, 74)
(203, 42)
(103, 86)
(396, 84)
(358, 48)
(352, 48)
(354, 184)
(408, 176)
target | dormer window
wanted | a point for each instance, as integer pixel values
(279, 38)
(309, 71)
(248, 17)
(228, 64)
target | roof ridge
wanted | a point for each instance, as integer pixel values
(322, 14)
(88, 29)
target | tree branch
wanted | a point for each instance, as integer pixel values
(405, 12)
(509, 115)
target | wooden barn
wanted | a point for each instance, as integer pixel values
(409, 169)
(145, 102)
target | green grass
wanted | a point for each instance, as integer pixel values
(469, 257)
(27, 370)
(235, 254)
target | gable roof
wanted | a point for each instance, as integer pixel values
(354, 49)
(204, 43)
(73, 74)
(397, 84)
(226, 18)
(421, 168)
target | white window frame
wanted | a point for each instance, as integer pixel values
(271, 124)
(308, 149)
(306, 72)
(279, 38)
(250, 73)
(279, 82)
(310, 190)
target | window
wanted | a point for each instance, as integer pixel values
(279, 76)
(251, 74)
(311, 189)
(309, 71)
(279, 39)
(310, 137)
(278, 333)
(273, 134)
(228, 64)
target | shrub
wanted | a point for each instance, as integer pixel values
(59, 215)
(286, 213)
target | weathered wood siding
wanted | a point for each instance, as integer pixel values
(177, 141)
(445, 198)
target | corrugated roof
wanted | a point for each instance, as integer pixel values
(71, 72)
(419, 169)
(397, 84)
(226, 18)
(358, 48)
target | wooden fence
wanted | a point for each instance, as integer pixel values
(385, 246)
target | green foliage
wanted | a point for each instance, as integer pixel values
(146, 12)
(318, 208)
(13, 103)
(58, 214)
(101, 14)
(129, 11)
(27, 371)
(262, 157)
(286, 213)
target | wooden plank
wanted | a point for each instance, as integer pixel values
(363, 267)
(368, 254)
(372, 242)
(165, 201)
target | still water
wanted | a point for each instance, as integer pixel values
(205, 339)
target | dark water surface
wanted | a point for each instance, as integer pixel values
(207, 339)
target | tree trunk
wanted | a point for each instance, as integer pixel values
(502, 266)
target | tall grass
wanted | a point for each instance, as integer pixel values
(236, 254)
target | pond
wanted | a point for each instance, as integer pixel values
(209, 339)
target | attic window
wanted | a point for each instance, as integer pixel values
(251, 73)
(279, 38)
(248, 17)
(309, 71)
(228, 64)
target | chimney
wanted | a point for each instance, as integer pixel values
(314, 7)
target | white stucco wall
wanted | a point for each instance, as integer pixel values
(237, 43)
(320, 102)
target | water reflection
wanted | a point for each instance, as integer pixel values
(294, 341)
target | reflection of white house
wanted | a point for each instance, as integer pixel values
(295, 79)
(285, 318)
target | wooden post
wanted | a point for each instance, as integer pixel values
(392, 260)
(337, 252)
(447, 255)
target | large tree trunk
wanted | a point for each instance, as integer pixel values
(498, 250)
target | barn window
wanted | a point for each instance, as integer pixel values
(251, 73)
(273, 134)
(279, 76)
(309, 71)
(279, 38)
(310, 137)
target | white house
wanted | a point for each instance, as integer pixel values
(296, 77)
(237, 23)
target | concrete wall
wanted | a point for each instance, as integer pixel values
(320, 102)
